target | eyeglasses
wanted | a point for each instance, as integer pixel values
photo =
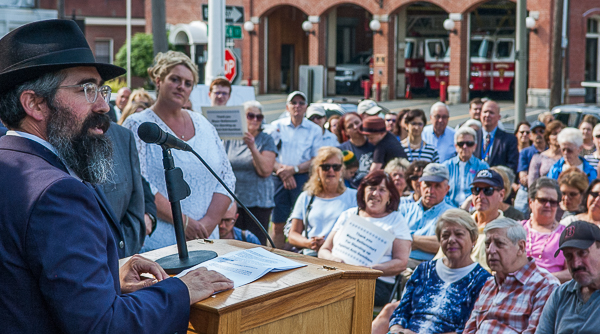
(487, 191)
(327, 167)
(566, 150)
(468, 143)
(594, 194)
(544, 201)
(538, 131)
(390, 120)
(414, 177)
(259, 117)
(228, 221)
(597, 136)
(441, 116)
(220, 93)
(91, 91)
(524, 132)
(416, 124)
(571, 194)
(300, 103)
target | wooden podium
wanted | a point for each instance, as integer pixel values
(323, 297)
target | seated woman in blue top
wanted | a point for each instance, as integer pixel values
(440, 294)
(571, 144)
(324, 198)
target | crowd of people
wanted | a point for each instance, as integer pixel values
(484, 225)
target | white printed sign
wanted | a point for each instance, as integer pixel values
(230, 122)
(361, 243)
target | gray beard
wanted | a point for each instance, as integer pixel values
(89, 156)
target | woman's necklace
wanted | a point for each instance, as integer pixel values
(184, 125)
(530, 244)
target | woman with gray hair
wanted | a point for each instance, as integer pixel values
(455, 277)
(252, 161)
(464, 166)
(571, 142)
(543, 231)
(396, 169)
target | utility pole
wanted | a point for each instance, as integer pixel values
(556, 56)
(215, 65)
(521, 63)
(60, 8)
(159, 26)
(128, 33)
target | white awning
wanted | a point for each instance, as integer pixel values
(195, 32)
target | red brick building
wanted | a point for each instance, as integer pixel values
(272, 53)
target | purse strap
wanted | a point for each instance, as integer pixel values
(308, 207)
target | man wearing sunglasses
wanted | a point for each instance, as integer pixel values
(487, 191)
(298, 141)
(422, 216)
(463, 167)
(59, 260)
(317, 115)
(539, 145)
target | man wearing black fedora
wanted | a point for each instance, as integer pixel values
(58, 256)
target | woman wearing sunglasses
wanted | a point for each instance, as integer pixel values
(594, 157)
(522, 133)
(571, 143)
(464, 166)
(377, 200)
(325, 197)
(591, 206)
(175, 76)
(543, 231)
(573, 183)
(252, 161)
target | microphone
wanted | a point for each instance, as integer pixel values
(151, 133)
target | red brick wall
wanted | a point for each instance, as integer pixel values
(576, 49)
(95, 8)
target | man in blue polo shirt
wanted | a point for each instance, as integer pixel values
(422, 215)
(297, 140)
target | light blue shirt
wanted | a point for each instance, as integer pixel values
(329, 139)
(421, 222)
(443, 143)
(461, 178)
(295, 144)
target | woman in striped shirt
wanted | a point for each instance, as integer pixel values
(414, 146)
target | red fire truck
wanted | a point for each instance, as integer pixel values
(425, 63)
(492, 63)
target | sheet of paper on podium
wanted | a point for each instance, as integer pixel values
(246, 266)
(360, 242)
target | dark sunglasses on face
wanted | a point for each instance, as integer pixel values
(594, 194)
(414, 177)
(597, 136)
(487, 191)
(326, 167)
(259, 117)
(524, 132)
(571, 194)
(468, 143)
(390, 120)
(538, 131)
(543, 201)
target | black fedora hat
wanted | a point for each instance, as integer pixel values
(45, 46)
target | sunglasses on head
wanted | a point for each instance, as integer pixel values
(487, 191)
(259, 117)
(468, 143)
(326, 167)
(543, 201)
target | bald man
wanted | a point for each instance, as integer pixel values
(495, 146)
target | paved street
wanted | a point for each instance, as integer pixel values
(274, 105)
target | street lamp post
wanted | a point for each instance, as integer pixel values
(521, 63)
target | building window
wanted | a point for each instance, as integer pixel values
(104, 51)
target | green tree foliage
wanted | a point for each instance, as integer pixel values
(141, 55)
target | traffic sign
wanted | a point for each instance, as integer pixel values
(233, 32)
(233, 14)
(230, 65)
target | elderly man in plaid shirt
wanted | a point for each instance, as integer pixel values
(512, 300)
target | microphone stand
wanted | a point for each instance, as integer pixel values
(177, 190)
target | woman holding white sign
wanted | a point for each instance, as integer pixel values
(175, 75)
(372, 234)
(324, 198)
(440, 294)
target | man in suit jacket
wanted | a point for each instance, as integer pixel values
(494, 146)
(124, 190)
(58, 257)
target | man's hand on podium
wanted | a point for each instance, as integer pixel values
(130, 274)
(202, 283)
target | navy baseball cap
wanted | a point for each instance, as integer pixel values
(489, 177)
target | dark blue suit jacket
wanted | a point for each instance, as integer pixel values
(504, 150)
(59, 268)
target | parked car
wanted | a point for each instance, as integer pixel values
(572, 114)
(349, 77)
